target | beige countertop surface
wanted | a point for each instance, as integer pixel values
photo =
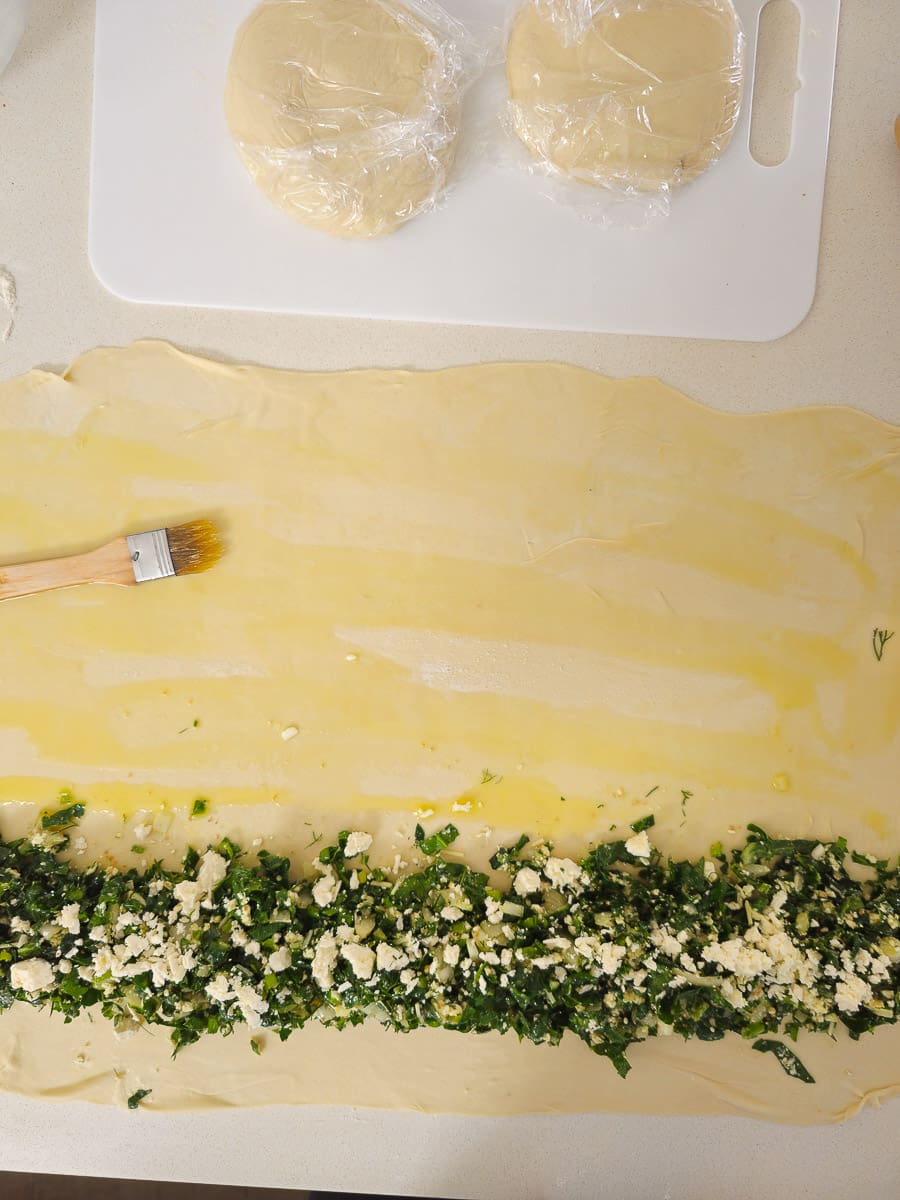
(846, 351)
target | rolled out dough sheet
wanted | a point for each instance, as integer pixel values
(596, 594)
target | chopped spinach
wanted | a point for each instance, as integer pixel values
(788, 1059)
(607, 950)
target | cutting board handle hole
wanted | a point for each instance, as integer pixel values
(775, 83)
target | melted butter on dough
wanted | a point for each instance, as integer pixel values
(645, 96)
(343, 111)
(431, 575)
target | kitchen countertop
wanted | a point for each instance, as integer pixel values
(846, 351)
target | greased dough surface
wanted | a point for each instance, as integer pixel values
(430, 575)
(342, 111)
(646, 98)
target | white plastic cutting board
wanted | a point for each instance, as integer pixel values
(174, 218)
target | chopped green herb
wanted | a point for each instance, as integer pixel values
(788, 1059)
(489, 777)
(63, 817)
(255, 1046)
(506, 858)
(199, 807)
(455, 948)
(138, 849)
(880, 638)
(644, 823)
(314, 840)
(685, 796)
(655, 788)
(134, 1100)
(438, 841)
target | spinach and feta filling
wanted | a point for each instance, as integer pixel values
(766, 940)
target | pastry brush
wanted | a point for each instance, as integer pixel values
(137, 558)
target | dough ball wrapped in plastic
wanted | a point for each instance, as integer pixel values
(345, 112)
(638, 96)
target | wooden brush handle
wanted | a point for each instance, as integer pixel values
(108, 564)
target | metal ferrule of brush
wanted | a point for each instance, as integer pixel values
(150, 557)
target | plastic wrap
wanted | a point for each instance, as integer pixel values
(634, 97)
(346, 112)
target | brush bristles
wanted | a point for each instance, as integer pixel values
(194, 547)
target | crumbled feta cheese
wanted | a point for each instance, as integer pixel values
(79, 845)
(19, 925)
(851, 993)
(135, 945)
(461, 808)
(639, 846)
(213, 868)
(250, 1003)
(709, 870)
(68, 918)
(357, 843)
(736, 956)
(526, 882)
(326, 888)
(289, 731)
(360, 958)
(142, 831)
(33, 975)
(789, 964)
(279, 960)
(389, 958)
(219, 990)
(188, 894)
(324, 961)
(450, 912)
(451, 955)
(563, 872)
(664, 940)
